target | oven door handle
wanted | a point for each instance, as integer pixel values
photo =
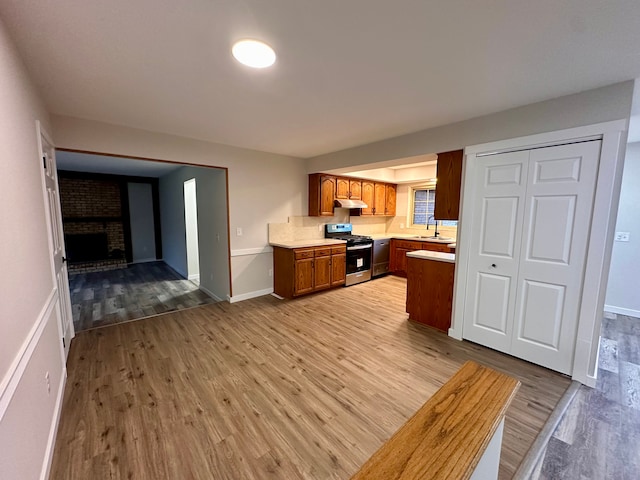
(359, 247)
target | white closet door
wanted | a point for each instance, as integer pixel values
(557, 220)
(500, 189)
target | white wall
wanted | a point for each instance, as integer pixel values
(212, 226)
(30, 340)
(263, 188)
(622, 291)
(191, 229)
(143, 239)
(604, 104)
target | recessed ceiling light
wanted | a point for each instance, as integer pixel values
(254, 53)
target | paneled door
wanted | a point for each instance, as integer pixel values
(556, 227)
(526, 269)
(57, 242)
(500, 186)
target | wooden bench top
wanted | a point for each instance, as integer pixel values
(450, 432)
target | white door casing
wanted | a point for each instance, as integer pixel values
(526, 268)
(56, 239)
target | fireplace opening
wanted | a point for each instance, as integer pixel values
(86, 247)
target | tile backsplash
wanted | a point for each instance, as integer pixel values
(309, 228)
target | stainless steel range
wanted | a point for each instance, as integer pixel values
(359, 248)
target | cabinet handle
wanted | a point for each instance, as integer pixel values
(493, 265)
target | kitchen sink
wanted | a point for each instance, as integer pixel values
(434, 239)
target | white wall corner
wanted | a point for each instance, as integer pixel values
(211, 294)
(248, 295)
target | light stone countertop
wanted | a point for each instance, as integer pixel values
(314, 242)
(429, 255)
(410, 236)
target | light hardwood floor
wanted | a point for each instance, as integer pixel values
(301, 389)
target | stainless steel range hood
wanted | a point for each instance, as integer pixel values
(344, 203)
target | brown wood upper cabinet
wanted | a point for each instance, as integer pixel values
(322, 193)
(449, 173)
(342, 188)
(368, 196)
(324, 189)
(390, 200)
(355, 189)
(348, 188)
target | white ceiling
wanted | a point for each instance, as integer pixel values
(348, 72)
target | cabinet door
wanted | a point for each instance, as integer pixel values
(338, 269)
(390, 200)
(327, 195)
(379, 199)
(322, 272)
(355, 189)
(303, 276)
(449, 173)
(401, 260)
(342, 187)
(368, 197)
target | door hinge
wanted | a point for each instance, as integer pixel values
(44, 161)
(64, 345)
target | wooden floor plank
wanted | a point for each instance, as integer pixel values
(132, 292)
(307, 388)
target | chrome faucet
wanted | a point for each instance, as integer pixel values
(432, 217)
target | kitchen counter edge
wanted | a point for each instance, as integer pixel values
(429, 255)
(318, 242)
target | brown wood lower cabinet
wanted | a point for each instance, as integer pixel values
(430, 292)
(398, 253)
(298, 271)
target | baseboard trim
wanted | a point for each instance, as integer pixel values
(248, 295)
(145, 260)
(53, 432)
(622, 311)
(210, 293)
(16, 370)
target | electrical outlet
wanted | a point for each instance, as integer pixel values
(239, 232)
(320, 227)
(271, 272)
(218, 237)
(622, 236)
(401, 226)
(48, 380)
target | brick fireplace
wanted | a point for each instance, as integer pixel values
(93, 222)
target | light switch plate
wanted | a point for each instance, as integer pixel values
(622, 236)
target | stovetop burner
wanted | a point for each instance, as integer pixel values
(342, 231)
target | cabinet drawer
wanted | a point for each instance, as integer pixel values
(323, 252)
(339, 249)
(303, 253)
(409, 245)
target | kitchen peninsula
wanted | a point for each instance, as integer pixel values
(430, 287)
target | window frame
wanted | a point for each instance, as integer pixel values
(412, 196)
(410, 213)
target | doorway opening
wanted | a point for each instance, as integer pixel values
(191, 230)
(162, 252)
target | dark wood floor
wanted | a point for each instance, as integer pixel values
(266, 388)
(599, 435)
(137, 291)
